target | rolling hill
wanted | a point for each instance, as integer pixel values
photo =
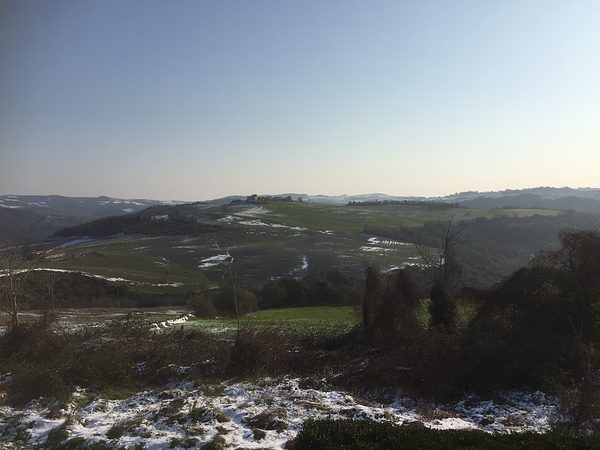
(35, 217)
(278, 239)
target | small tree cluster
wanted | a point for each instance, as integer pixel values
(389, 306)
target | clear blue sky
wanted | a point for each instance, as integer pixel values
(198, 99)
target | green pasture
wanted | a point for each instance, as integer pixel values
(341, 318)
(345, 219)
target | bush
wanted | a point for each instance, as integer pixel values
(259, 351)
(389, 307)
(368, 435)
(442, 309)
(203, 306)
(224, 300)
(289, 292)
(105, 358)
(32, 381)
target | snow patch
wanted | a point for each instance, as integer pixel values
(182, 411)
(170, 323)
(4, 273)
(252, 212)
(216, 260)
(366, 248)
(259, 223)
(377, 241)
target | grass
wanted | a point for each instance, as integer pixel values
(293, 319)
(341, 218)
(309, 313)
(123, 258)
(264, 252)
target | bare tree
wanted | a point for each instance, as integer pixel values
(441, 255)
(233, 275)
(443, 261)
(15, 267)
(49, 283)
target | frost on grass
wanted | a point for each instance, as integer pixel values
(264, 414)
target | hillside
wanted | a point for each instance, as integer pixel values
(277, 239)
(494, 247)
(570, 198)
(152, 221)
(35, 217)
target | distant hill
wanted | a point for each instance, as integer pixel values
(343, 199)
(528, 200)
(35, 217)
(542, 192)
(585, 200)
(155, 220)
(39, 216)
(494, 247)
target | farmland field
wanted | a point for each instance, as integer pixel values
(271, 241)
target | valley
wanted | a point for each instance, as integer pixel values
(271, 241)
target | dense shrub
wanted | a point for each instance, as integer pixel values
(202, 305)
(76, 290)
(368, 435)
(32, 381)
(496, 246)
(225, 300)
(389, 306)
(123, 354)
(289, 292)
(442, 309)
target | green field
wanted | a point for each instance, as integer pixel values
(341, 318)
(352, 219)
(270, 241)
(342, 314)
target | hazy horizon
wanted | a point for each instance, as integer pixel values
(309, 194)
(198, 100)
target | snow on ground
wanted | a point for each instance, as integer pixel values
(10, 206)
(260, 223)
(216, 260)
(256, 222)
(377, 241)
(370, 249)
(226, 219)
(326, 232)
(93, 275)
(264, 414)
(252, 212)
(127, 202)
(171, 322)
(303, 267)
(75, 242)
(299, 271)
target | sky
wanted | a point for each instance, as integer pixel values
(200, 99)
